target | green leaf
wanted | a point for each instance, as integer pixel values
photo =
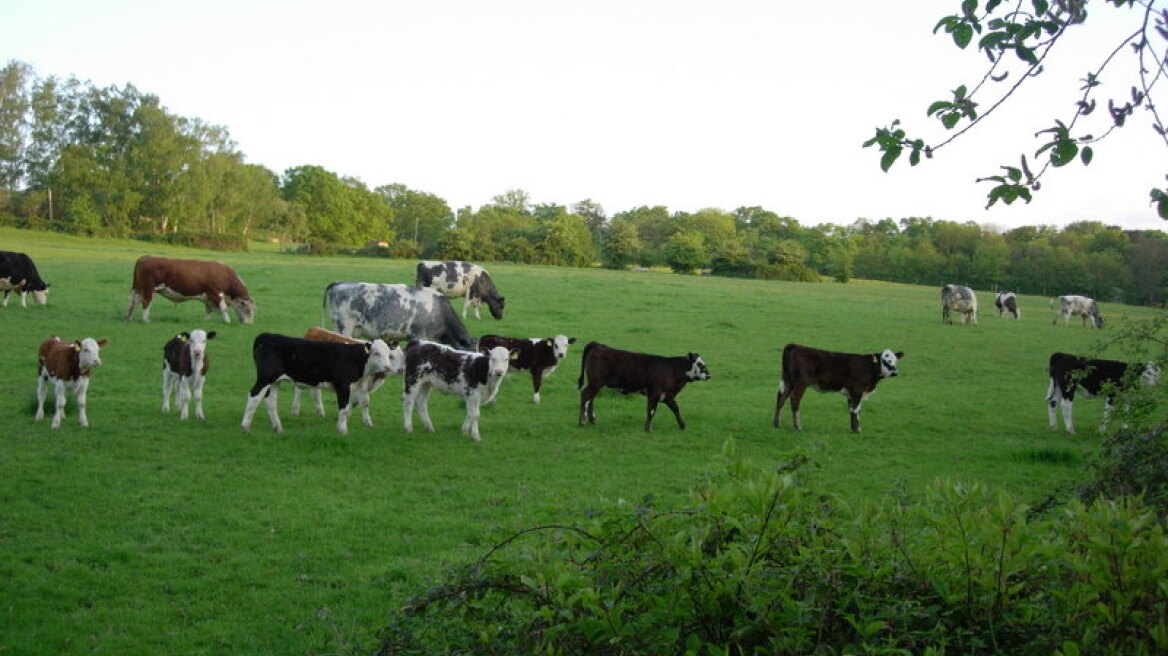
(938, 106)
(1040, 7)
(1086, 155)
(914, 157)
(1026, 54)
(949, 120)
(889, 158)
(1064, 151)
(962, 35)
(1013, 173)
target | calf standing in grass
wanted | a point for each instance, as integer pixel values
(659, 378)
(473, 376)
(184, 368)
(66, 366)
(854, 375)
(539, 356)
(1093, 377)
(1007, 304)
(376, 381)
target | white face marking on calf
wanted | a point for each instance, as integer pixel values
(397, 360)
(379, 358)
(500, 360)
(698, 369)
(560, 346)
(888, 362)
(88, 354)
(1151, 374)
(244, 309)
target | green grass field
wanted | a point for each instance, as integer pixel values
(147, 535)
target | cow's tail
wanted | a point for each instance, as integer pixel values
(787, 365)
(583, 359)
(324, 303)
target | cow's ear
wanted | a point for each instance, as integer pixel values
(211, 335)
(184, 336)
(392, 345)
(571, 340)
(875, 358)
(899, 354)
(102, 342)
(76, 345)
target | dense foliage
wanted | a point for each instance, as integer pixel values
(760, 564)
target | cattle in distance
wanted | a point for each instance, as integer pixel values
(1007, 305)
(347, 368)
(475, 377)
(659, 378)
(372, 311)
(960, 299)
(538, 356)
(213, 283)
(185, 364)
(1078, 306)
(456, 279)
(1093, 377)
(377, 380)
(66, 367)
(19, 274)
(852, 374)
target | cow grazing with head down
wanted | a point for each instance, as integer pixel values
(457, 279)
(374, 382)
(213, 283)
(184, 369)
(539, 356)
(958, 298)
(1079, 306)
(369, 310)
(66, 366)
(473, 376)
(19, 274)
(1007, 304)
(344, 367)
(852, 374)
(1092, 377)
(659, 378)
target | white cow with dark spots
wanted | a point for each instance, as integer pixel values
(457, 279)
(1079, 306)
(958, 298)
(473, 376)
(395, 312)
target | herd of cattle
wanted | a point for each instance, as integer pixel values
(413, 331)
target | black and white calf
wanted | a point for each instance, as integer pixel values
(184, 369)
(1007, 304)
(325, 335)
(539, 356)
(1092, 377)
(473, 376)
(347, 368)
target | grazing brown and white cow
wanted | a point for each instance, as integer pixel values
(344, 367)
(213, 283)
(473, 376)
(184, 370)
(961, 299)
(1092, 377)
(377, 380)
(1007, 304)
(66, 366)
(852, 374)
(659, 378)
(539, 356)
(456, 279)
(19, 274)
(1079, 306)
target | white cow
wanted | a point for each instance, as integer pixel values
(959, 298)
(1079, 306)
(473, 376)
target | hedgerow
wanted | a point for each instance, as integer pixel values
(759, 563)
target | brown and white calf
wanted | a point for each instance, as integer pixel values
(473, 376)
(539, 356)
(659, 378)
(184, 370)
(1007, 304)
(1093, 377)
(66, 366)
(852, 374)
(213, 283)
(344, 367)
(374, 382)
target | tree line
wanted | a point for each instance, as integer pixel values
(114, 161)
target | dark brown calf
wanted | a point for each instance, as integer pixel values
(853, 374)
(659, 378)
(539, 356)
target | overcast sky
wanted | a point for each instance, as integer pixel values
(625, 102)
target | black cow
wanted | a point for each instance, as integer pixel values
(539, 356)
(347, 368)
(19, 274)
(659, 378)
(856, 375)
(1093, 377)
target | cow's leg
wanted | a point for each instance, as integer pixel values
(1068, 404)
(273, 410)
(295, 407)
(423, 406)
(780, 398)
(23, 300)
(536, 383)
(42, 392)
(1053, 396)
(184, 397)
(795, 398)
(409, 396)
(465, 305)
(344, 405)
(652, 399)
(166, 387)
(587, 399)
(197, 383)
(360, 397)
(259, 392)
(1108, 406)
(4, 303)
(137, 297)
(470, 425)
(59, 410)
(672, 404)
(854, 402)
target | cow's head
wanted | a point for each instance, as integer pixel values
(697, 368)
(397, 358)
(483, 288)
(559, 345)
(41, 296)
(197, 339)
(500, 361)
(380, 359)
(888, 361)
(1150, 374)
(1096, 318)
(244, 309)
(88, 353)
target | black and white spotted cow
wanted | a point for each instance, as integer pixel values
(659, 378)
(19, 274)
(184, 370)
(1093, 377)
(1007, 304)
(347, 368)
(473, 376)
(539, 356)
(1079, 306)
(395, 312)
(855, 375)
(457, 279)
(958, 298)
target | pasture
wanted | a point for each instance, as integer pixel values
(147, 535)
